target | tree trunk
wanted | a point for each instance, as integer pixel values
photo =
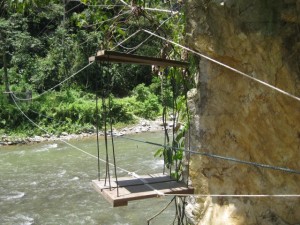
(5, 76)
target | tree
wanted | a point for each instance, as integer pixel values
(3, 51)
(15, 42)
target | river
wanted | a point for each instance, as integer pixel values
(50, 183)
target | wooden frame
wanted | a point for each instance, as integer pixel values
(147, 186)
(118, 57)
(118, 193)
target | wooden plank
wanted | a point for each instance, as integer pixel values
(118, 57)
(131, 181)
(136, 189)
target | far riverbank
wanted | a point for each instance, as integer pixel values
(142, 126)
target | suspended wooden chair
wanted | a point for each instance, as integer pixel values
(123, 189)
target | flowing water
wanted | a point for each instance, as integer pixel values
(50, 183)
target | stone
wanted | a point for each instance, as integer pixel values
(46, 135)
(3, 137)
(237, 117)
(163, 124)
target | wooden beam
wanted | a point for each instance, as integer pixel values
(118, 57)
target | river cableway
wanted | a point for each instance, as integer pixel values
(50, 183)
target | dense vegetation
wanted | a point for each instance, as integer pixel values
(44, 43)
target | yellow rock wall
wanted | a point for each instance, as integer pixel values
(237, 117)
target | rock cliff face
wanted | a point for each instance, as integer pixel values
(237, 117)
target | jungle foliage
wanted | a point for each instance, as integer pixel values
(43, 43)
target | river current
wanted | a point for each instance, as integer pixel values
(50, 183)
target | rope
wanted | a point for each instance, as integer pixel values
(161, 211)
(236, 196)
(162, 10)
(73, 146)
(136, 176)
(105, 6)
(132, 35)
(135, 33)
(45, 92)
(140, 44)
(55, 18)
(68, 78)
(96, 29)
(115, 17)
(35, 124)
(189, 129)
(123, 2)
(266, 166)
(176, 212)
(104, 113)
(113, 145)
(97, 130)
(164, 118)
(152, 9)
(174, 121)
(224, 65)
(98, 158)
(146, 183)
(180, 211)
(45, 116)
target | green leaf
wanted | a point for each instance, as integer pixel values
(159, 152)
(121, 32)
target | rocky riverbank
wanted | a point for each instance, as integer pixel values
(142, 126)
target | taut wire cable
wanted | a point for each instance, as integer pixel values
(50, 89)
(125, 3)
(73, 146)
(54, 18)
(45, 116)
(224, 65)
(266, 166)
(140, 44)
(135, 33)
(45, 92)
(67, 143)
(153, 9)
(162, 10)
(238, 195)
(134, 174)
(115, 17)
(132, 35)
(99, 26)
(105, 6)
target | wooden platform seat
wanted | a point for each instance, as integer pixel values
(132, 188)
